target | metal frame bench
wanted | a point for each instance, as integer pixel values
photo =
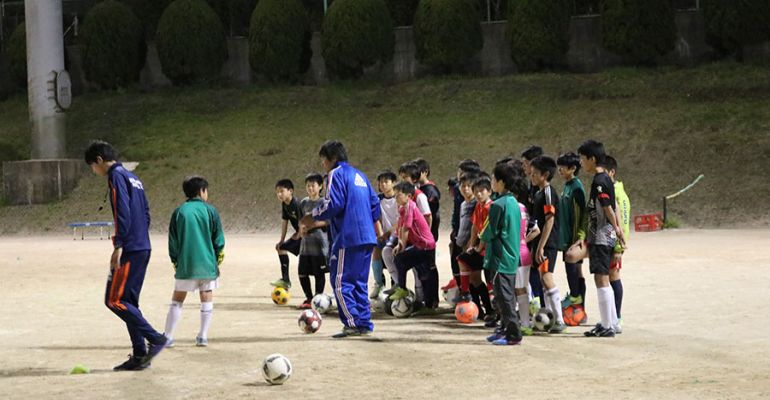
(97, 224)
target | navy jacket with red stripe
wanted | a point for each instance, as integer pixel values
(130, 210)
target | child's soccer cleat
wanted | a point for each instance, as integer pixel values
(201, 342)
(570, 300)
(526, 331)
(503, 341)
(619, 327)
(558, 328)
(495, 336)
(376, 291)
(450, 285)
(600, 331)
(399, 294)
(466, 296)
(170, 343)
(347, 332)
(281, 283)
(305, 305)
(132, 364)
(154, 350)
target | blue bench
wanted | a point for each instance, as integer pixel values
(98, 224)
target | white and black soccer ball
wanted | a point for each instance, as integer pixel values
(276, 369)
(402, 308)
(451, 294)
(322, 303)
(379, 302)
(309, 321)
(544, 319)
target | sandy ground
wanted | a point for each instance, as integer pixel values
(693, 328)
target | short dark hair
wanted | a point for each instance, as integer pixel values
(468, 177)
(610, 163)
(569, 160)
(422, 165)
(545, 164)
(405, 188)
(193, 185)
(593, 149)
(315, 177)
(333, 150)
(512, 177)
(532, 152)
(284, 183)
(387, 175)
(482, 182)
(410, 169)
(469, 165)
(99, 148)
(504, 160)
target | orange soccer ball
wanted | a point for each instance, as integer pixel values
(574, 314)
(466, 312)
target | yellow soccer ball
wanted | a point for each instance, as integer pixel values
(280, 296)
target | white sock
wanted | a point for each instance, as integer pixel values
(523, 300)
(529, 292)
(207, 310)
(606, 306)
(417, 286)
(390, 264)
(555, 298)
(173, 316)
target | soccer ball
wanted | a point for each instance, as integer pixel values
(402, 307)
(574, 314)
(388, 305)
(276, 369)
(451, 294)
(466, 312)
(321, 303)
(280, 296)
(544, 320)
(309, 321)
(379, 302)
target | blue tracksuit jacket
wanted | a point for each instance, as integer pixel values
(129, 209)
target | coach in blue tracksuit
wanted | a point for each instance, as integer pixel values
(131, 253)
(351, 207)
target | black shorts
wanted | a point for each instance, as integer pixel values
(550, 262)
(473, 260)
(291, 245)
(599, 258)
(312, 265)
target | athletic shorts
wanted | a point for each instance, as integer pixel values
(192, 285)
(473, 260)
(549, 264)
(292, 246)
(618, 265)
(599, 258)
(522, 277)
(311, 265)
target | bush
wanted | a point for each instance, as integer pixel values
(356, 34)
(447, 33)
(538, 31)
(17, 55)
(732, 24)
(114, 46)
(191, 42)
(279, 40)
(640, 31)
(402, 11)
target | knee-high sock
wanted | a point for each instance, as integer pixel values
(207, 311)
(607, 306)
(465, 281)
(617, 289)
(284, 259)
(582, 286)
(172, 318)
(477, 300)
(320, 282)
(306, 288)
(572, 279)
(377, 272)
(523, 300)
(555, 303)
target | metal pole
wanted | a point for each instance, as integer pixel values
(489, 12)
(665, 211)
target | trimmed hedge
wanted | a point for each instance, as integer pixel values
(447, 33)
(402, 11)
(356, 34)
(114, 46)
(538, 31)
(191, 42)
(17, 55)
(731, 24)
(640, 31)
(279, 39)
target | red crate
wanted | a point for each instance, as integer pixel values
(648, 222)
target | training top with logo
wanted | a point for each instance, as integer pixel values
(292, 212)
(624, 211)
(389, 212)
(315, 242)
(464, 230)
(130, 210)
(419, 233)
(501, 234)
(600, 231)
(546, 201)
(434, 197)
(572, 214)
(195, 239)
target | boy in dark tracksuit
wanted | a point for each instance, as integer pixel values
(130, 256)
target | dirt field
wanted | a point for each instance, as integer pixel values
(693, 328)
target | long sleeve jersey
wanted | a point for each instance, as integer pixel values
(130, 210)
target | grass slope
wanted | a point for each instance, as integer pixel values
(665, 127)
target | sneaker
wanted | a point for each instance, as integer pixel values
(451, 285)
(170, 343)
(619, 327)
(398, 294)
(281, 283)
(347, 332)
(365, 331)
(570, 300)
(526, 331)
(305, 305)
(376, 291)
(424, 312)
(558, 328)
(154, 350)
(201, 342)
(600, 331)
(503, 341)
(495, 336)
(466, 296)
(132, 364)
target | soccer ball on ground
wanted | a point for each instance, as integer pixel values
(402, 307)
(322, 303)
(544, 320)
(276, 369)
(309, 321)
(280, 296)
(574, 314)
(466, 312)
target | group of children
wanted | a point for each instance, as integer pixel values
(503, 225)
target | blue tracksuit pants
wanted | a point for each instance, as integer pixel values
(122, 297)
(349, 270)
